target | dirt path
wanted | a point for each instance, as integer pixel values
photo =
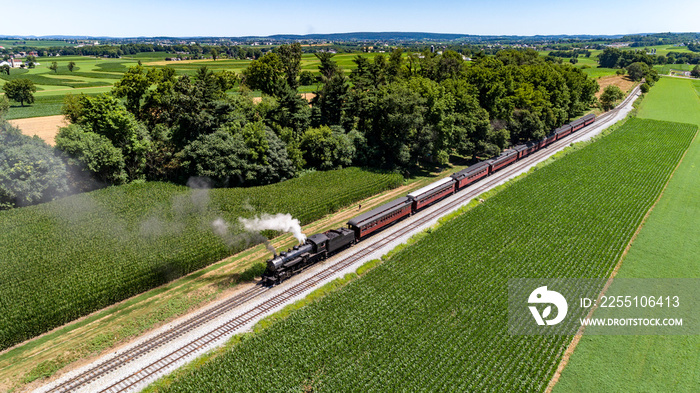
(45, 127)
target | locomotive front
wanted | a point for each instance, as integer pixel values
(278, 265)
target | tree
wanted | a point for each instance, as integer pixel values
(92, 153)
(695, 72)
(361, 76)
(265, 74)
(329, 101)
(105, 115)
(4, 107)
(324, 149)
(290, 56)
(30, 172)
(637, 71)
(448, 65)
(5, 69)
(133, 85)
(221, 156)
(71, 66)
(395, 67)
(20, 90)
(610, 95)
(214, 53)
(609, 58)
(306, 78)
(54, 66)
(328, 67)
(292, 110)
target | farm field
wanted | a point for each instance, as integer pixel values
(625, 83)
(104, 246)
(597, 72)
(673, 99)
(26, 365)
(45, 127)
(98, 75)
(664, 49)
(439, 304)
(592, 69)
(665, 69)
(667, 246)
(33, 43)
(90, 76)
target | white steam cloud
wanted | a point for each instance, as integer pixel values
(278, 222)
(221, 229)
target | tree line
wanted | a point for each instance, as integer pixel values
(398, 111)
(616, 58)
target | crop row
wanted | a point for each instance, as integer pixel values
(434, 316)
(67, 258)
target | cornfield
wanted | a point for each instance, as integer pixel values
(67, 258)
(434, 316)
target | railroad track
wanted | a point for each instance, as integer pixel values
(369, 246)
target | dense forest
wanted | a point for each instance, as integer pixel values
(396, 112)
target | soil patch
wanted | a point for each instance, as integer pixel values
(622, 81)
(306, 96)
(45, 127)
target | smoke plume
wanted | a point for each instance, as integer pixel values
(278, 222)
(242, 240)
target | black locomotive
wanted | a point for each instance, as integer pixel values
(316, 248)
(319, 246)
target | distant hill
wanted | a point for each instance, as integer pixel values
(357, 36)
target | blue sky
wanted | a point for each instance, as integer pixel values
(130, 18)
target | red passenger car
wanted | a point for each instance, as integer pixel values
(432, 192)
(475, 172)
(380, 217)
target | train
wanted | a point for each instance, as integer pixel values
(320, 246)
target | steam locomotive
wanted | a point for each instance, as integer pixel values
(322, 245)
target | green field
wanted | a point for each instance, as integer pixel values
(97, 75)
(673, 99)
(32, 43)
(64, 259)
(666, 68)
(596, 72)
(667, 246)
(433, 316)
(664, 49)
(591, 62)
(90, 76)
